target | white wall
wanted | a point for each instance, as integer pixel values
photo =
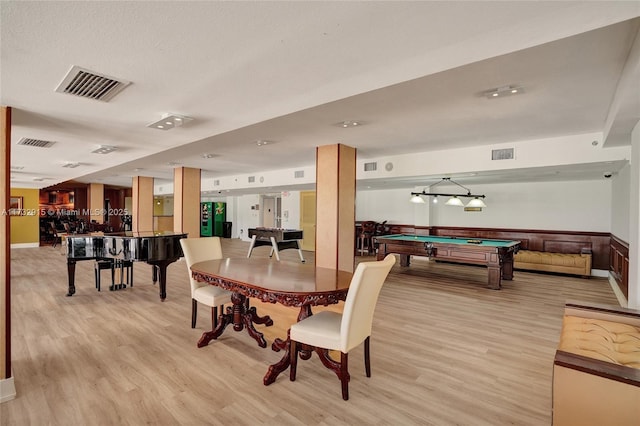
(390, 205)
(243, 217)
(562, 206)
(291, 210)
(247, 216)
(620, 204)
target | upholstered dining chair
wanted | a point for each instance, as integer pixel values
(198, 250)
(329, 330)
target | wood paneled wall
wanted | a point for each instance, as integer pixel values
(619, 264)
(531, 239)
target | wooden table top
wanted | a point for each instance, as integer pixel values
(289, 283)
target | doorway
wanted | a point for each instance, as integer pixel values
(271, 208)
(308, 219)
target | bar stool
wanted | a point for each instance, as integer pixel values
(365, 237)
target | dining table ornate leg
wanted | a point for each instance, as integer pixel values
(279, 345)
(223, 321)
(241, 316)
(280, 366)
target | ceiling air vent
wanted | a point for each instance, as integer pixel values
(37, 143)
(216, 182)
(370, 167)
(252, 179)
(88, 84)
(502, 154)
(298, 174)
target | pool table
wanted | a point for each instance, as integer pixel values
(497, 255)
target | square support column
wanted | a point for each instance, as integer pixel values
(96, 202)
(142, 204)
(186, 201)
(336, 207)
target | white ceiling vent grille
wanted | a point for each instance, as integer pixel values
(36, 143)
(298, 174)
(503, 154)
(88, 84)
(370, 167)
(252, 179)
(216, 182)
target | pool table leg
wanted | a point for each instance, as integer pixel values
(494, 273)
(507, 269)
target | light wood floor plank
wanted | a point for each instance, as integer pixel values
(445, 351)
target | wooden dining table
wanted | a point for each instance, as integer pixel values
(288, 283)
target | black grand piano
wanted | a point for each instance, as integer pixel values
(156, 248)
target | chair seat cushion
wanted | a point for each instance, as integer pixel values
(211, 295)
(321, 329)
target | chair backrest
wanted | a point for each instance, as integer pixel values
(362, 297)
(198, 250)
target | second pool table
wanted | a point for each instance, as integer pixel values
(496, 255)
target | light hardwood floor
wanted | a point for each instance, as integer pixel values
(445, 350)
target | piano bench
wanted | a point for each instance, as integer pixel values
(101, 264)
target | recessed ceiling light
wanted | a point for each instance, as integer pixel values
(169, 121)
(172, 163)
(348, 123)
(262, 142)
(208, 155)
(501, 92)
(71, 165)
(104, 149)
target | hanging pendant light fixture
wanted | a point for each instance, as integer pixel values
(454, 201)
(476, 202)
(416, 197)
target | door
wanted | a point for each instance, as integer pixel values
(308, 219)
(269, 212)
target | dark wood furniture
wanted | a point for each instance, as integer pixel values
(364, 238)
(278, 239)
(288, 283)
(158, 249)
(619, 264)
(496, 255)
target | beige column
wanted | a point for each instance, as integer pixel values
(95, 199)
(335, 204)
(186, 201)
(142, 204)
(7, 387)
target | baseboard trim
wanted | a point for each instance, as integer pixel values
(25, 245)
(7, 390)
(616, 290)
(601, 273)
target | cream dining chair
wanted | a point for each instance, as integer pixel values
(198, 250)
(329, 330)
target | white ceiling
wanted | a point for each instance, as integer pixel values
(412, 72)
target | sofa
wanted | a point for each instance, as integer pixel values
(565, 263)
(596, 369)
